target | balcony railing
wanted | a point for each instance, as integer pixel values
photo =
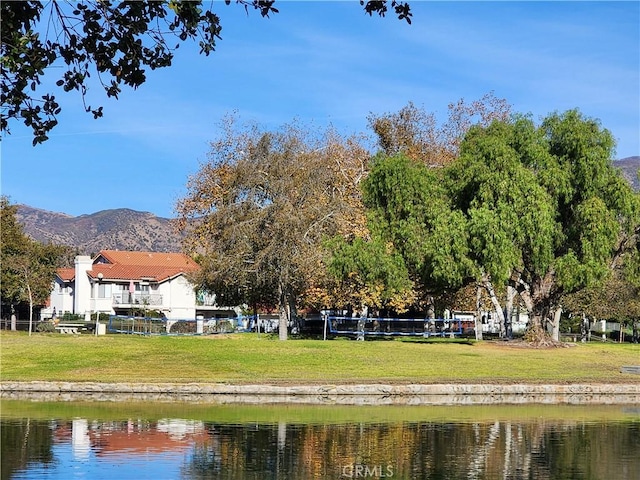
(127, 298)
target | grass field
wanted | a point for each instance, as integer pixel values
(247, 358)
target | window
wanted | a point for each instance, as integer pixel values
(104, 290)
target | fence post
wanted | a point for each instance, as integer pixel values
(326, 319)
(360, 329)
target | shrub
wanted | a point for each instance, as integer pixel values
(223, 326)
(71, 317)
(46, 327)
(183, 327)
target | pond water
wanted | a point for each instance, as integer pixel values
(185, 440)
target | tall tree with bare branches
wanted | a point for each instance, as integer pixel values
(258, 211)
(417, 133)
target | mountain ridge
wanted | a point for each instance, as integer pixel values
(630, 167)
(113, 229)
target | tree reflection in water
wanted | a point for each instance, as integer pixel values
(420, 451)
(508, 449)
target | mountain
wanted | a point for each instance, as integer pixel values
(630, 167)
(118, 229)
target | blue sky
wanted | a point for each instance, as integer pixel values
(328, 62)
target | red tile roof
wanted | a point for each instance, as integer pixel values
(136, 266)
(135, 272)
(146, 259)
(66, 274)
(151, 266)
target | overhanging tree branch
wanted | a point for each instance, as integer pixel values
(118, 41)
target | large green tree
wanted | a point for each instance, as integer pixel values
(417, 246)
(258, 211)
(28, 266)
(540, 208)
(36, 269)
(407, 203)
(547, 210)
(13, 241)
(117, 42)
(409, 208)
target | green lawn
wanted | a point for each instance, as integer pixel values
(247, 358)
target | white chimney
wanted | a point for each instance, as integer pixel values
(82, 289)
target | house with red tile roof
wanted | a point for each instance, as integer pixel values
(118, 282)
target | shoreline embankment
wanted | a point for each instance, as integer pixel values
(346, 394)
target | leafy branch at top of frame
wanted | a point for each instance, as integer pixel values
(117, 41)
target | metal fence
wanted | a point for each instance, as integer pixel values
(364, 326)
(163, 326)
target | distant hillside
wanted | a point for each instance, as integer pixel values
(630, 167)
(119, 229)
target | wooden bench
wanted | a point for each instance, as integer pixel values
(69, 327)
(631, 369)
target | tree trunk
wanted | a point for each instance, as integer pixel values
(508, 311)
(478, 319)
(30, 309)
(494, 300)
(283, 322)
(283, 311)
(584, 328)
(537, 298)
(556, 324)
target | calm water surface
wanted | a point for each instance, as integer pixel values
(104, 440)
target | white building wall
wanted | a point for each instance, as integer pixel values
(103, 304)
(178, 298)
(61, 299)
